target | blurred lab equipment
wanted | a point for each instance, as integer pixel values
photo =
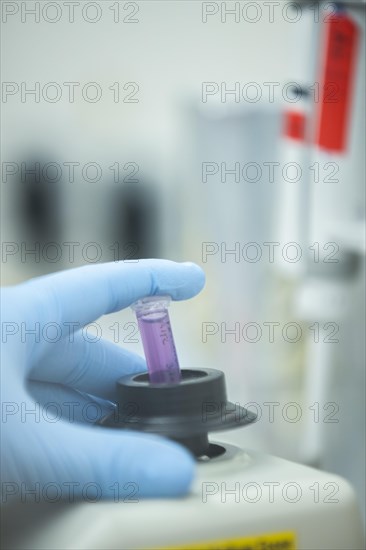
(330, 217)
(134, 215)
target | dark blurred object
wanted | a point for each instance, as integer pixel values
(38, 203)
(135, 222)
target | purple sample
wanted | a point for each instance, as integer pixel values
(159, 347)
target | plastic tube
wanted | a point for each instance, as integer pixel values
(157, 339)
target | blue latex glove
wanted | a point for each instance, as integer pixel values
(63, 458)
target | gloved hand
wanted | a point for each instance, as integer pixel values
(57, 370)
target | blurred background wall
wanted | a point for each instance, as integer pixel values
(156, 129)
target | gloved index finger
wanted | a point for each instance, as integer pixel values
(83, 294)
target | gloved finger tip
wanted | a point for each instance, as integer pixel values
(194, 281)
(195, 269)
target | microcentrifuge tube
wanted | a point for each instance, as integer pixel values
(157, 339)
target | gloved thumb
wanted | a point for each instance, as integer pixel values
(92, 463)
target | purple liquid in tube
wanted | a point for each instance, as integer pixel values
(157, 339)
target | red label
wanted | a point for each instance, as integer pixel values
(336, 82)
(295, 125)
